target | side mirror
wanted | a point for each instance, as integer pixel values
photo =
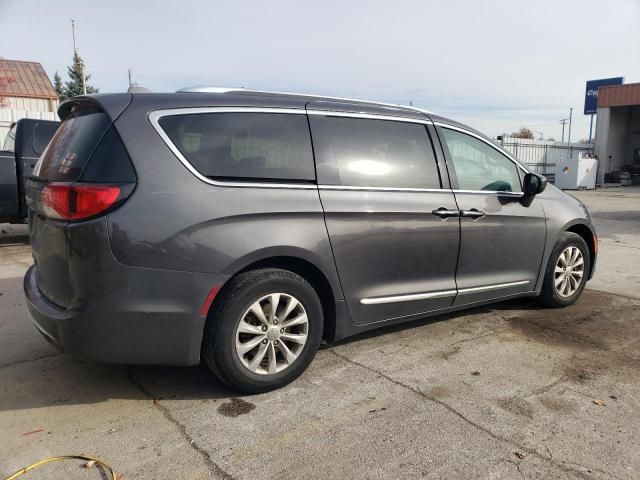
(533, 184)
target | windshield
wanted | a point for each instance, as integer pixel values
(42, 134)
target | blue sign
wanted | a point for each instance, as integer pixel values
(591, 93)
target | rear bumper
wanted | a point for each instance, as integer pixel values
(152, 317)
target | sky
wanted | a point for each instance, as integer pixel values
(494, 65)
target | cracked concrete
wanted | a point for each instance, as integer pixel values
(506, 391)
(214, 468)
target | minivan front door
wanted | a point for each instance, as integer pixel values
(502, 237)
(379, 185)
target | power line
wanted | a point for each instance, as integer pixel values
(563, 122)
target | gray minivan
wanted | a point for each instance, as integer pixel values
(244, 228)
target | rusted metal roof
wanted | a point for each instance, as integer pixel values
(619, 95)
(24, 79)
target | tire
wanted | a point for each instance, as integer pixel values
(225, 337)
(552, 296)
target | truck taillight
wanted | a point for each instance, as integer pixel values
(78, 201)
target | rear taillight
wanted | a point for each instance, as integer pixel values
(78, 201)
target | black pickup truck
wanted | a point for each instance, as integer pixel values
(25, 141)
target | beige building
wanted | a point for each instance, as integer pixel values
(25, 92)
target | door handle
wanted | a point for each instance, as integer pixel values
(445, 213)
(474, 213)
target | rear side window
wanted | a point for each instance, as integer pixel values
(70, 148)
(42, 133)
(265, 146)
(110, 162)
(373, 153)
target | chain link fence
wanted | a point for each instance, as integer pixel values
(541, 156)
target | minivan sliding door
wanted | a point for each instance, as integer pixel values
(379, 185)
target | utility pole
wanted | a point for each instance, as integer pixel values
(563, 122)
(75, 52)
(130, 82)
(569, 133)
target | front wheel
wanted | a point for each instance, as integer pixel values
(264, 330)
(567, 271)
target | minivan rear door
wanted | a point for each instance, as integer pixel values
(394, 230)
(62, 162)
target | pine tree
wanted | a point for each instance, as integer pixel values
(57, 84)
(74, 86)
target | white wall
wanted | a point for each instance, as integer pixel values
(31, 104)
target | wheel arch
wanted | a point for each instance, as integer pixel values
(301, 265)
(589, 236)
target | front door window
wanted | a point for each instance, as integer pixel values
(479, 166)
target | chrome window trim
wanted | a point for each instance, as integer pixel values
(495, 286)
(407, 298)
(406, 189)
(382, 189)
(155, 116)
(488, 142)
(370, 116)
(492, 192)
(439, 294)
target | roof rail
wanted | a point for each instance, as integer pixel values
(207, 89)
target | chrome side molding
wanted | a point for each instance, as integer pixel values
(407, 298)
(439, 294)
(496, 286)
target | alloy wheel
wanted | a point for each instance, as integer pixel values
(272, 333)
(569, 271)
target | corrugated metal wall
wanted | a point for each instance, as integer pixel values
(619, 95)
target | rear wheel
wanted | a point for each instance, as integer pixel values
(263, 331)
(567, 271)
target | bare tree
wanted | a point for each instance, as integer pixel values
(524, 132)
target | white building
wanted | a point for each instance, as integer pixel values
(25, 92)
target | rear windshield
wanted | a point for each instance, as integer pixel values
(72, 145)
